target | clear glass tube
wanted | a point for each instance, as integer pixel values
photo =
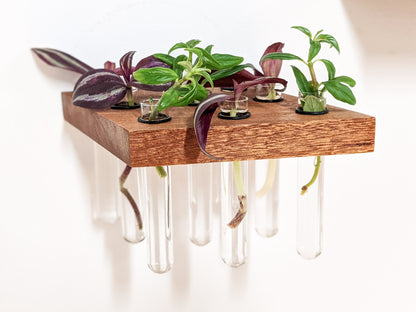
(233, 241)
(200, 203)
(129, 224)
(310, 204)
(216, 186)
(105, 197)
(158, 203)
(267, 197)
(120, 196)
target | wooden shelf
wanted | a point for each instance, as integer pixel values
(274, 130)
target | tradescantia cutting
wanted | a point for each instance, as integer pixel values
(104, 87)
(205, 111)
(338, 87)
(190, 72)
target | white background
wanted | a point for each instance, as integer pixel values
(53, 257)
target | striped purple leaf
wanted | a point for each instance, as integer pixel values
(99, 88)
(202, 119)
(61, 59)
(125, 65)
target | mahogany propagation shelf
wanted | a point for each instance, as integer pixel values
(274, 130)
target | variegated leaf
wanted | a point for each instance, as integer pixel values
(62, 60)
(125, 65)
(99, 88)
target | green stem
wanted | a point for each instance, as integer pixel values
(315, 175)
(154, 112)
(161, 171)
(272, 92)
(130, 198)
(130, 96)
(241, 193)
(313, 76)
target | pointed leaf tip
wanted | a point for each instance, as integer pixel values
(61, 60)
(271, 68)
(126, 65)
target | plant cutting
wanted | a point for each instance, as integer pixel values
(202, 121)
(311, 91)
(102, 88)
(271, 68)
(189, 73)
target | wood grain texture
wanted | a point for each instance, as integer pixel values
(273, 131)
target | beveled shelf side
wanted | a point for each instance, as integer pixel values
(274, 130)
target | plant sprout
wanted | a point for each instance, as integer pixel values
(189, 73)
(338, 87)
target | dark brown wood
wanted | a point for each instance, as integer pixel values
(274, 130)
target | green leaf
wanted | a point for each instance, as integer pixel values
(317, 33)
(314, 49)
(301, 80)
(312, 103)
(222, 73)
(201, 93)
(177, 67)
(281, 56)
(328, 39)
(306, 31)
(340, 91)
(169, 98)
(227, 60)
(207, 77)
(183, 90)
(209, 48)
(186, 64)
(192, 43)
(330, 68)
(205, 57)
(345, 79)
(188, 97)
(179, 45)
(155, 75)
(165, 58)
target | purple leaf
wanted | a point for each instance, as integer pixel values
(125, 65)
(99, 88)
(62, 60)
(240, 87)
(241, 76)
(271, 68)
(202, 119)
(149, 62)
(110, 66)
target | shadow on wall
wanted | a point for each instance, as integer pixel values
(384, 27)
(117, 250)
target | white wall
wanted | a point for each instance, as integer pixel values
(53, 257)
